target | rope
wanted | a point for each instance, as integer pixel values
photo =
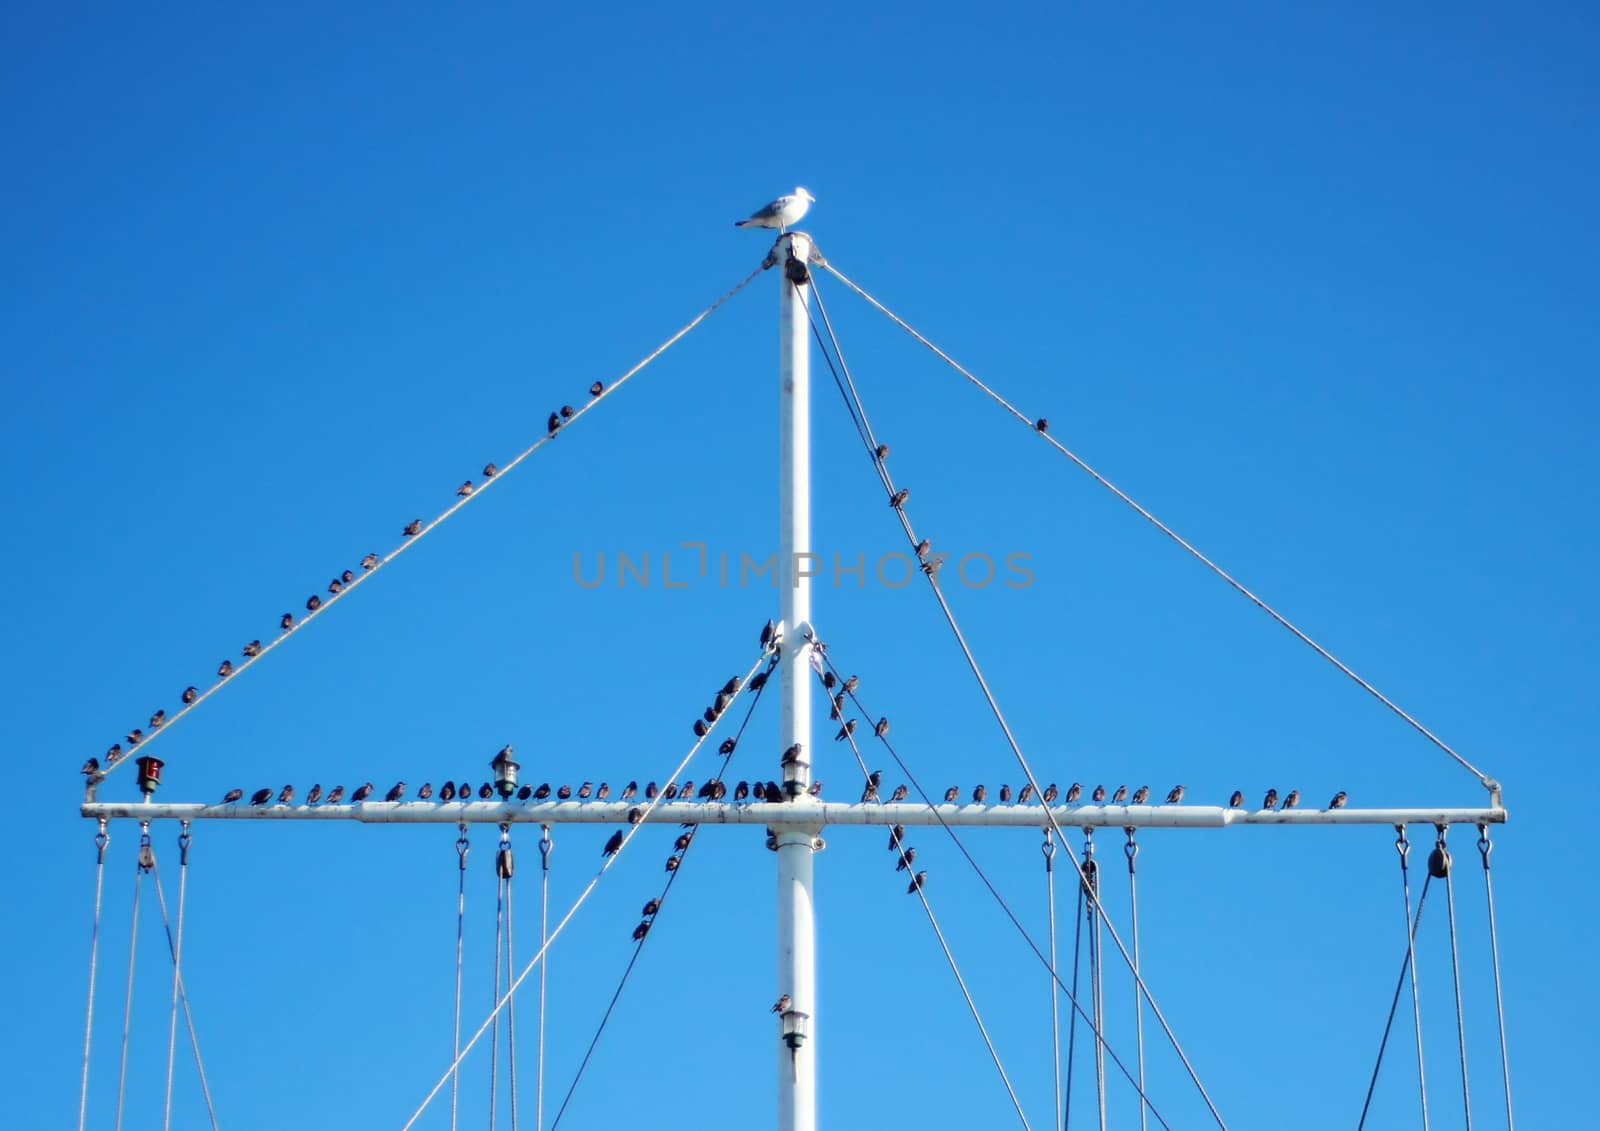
(499, 951)
(1072, 997)
(1484, 848)
(463, 846)
(1403, 846)
(177, 972)
(1394, 1004)
(183, 993)
(583, 896)
(145, 861)
(1049, 850)
(1131, 850)
(1487, 782)
(1096, 979)
(101, 840)
(545, 845)
(1441, 863)
(1022, 762)
(511, 1010)
(355, 582)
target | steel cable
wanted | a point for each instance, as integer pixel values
(546, 844)
(1394, 1004)
(1072, 1018)
(1484, 848)
(1049, 850)
(101, 840)
(1131, 850)
(463, 846)
(183, 992)
(1442, 853)
(177, 971)
(144, 862)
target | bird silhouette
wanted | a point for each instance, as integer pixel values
(1176, 796)
(1005, 794)
(413, 528)
(465, 489)
(190, 694)
(923, 547)
(774, 793)
(917, 881)
(135, 736)
(650, 791)
(635, 815)
(670, 791)
(1236, 800)
(362, 792)
(828, 680)
(566, 412)
(370, 562)
(613, 844)
(1025, 795)
(899, 793)
(225, 669)
(1338, 800)
(113, 753)
(490, 471)
(898, 499)
(882, 728)
(791, 756)
(728, 746)
(894, 837)
(396, 791)
(683, 841)
(335, 586)
(686, 790)
(1120, 795)
(628, 791)
(882, 453)
(252, 649)
(425, 792)
(336, 795)
(758, 681)
(524, 793)
(851, 683)
(313, 603)
(261, 797)
(603, 791)
(596, 389)
(709, 790)
(1099, 794)
(1042, 424)
(641, 931)
(314, 794)
(741, 791)
(347, 577)
(564, 792)
(767, 632)
(585, 790)
(651, 907)
(1074, 791)
(869, 793)
(286, 621)
(979, 793)
(815, 789)
(906, 858)
(1141, 795)
(1292, 800)
(782, 1004)
(845, 731)
(232, 796)
(951, 794)
(700, 728)
(486, 791)
(286, 795)
(157, 719)
(672, 863)
(447, 791)
(91, 767)
(1270, 799)
(542, 792)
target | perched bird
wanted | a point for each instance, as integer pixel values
(566, 412)
(774, 793)
(542, 792)
(1292, 800)
(1338, 800)
(917, 881)
(710, 714)
(425, 792)
(882, 453)
(370, 562)
(552, 423)
(314, 794)
(635, 815)
(336, 795)
(906, 858)
(1026, 795)
(815, 789)
(1074, 791)
(190, 694)
(232, 796)
(252, 649)
(286, 621)
(923, 547)
(447, 791)
(135, 736)
(683, 841)
(1176, 796)
(596, 389)
(767, 631)
(686, 790)
(286, 795)
(486, 791)
(1005, 794)
(1042, 424)
(347, 577)
(1270, 799)
(113, 753)
(585, 790)
(979, 793)
(465, 489)
(396, 791)
(894, 837)
(1099, 794)
(828, 680)
(641, 931)
(335, 586)
(362, 792)
(603, 792)
(91, 766)
(613, 844)
(845, 731)
(650, 791)
(313, 603)
(782, 1004)
(524, 793)
(741, 791)
(951, 794)
(628, 791)
(781, 214)
(898, 499)
(720, 792)
(670, 791)
(261, 797)
(1236, 800)
(899, 793)
(225, 669)
(157, 719)
(490, 471)
(651, 907)
(791, 756)
(882, 728)
(869, 792)
(1141, 795)
(700, 728)
(1120, 796)
(732, 686)
(728, 746)
(709, 790)
(413, 528)
(758, 681)
(672, 863)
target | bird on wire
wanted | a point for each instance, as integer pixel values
(782, 213)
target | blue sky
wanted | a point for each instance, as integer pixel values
(1315, 286)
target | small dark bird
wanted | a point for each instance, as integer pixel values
(882, 728)
(828, 680)
(709, 790)
(1176, 796)
(314, 794)
(894, 837)
(766, 633)
(1338, 800)
(225, 669)
(524, 793)
(836, 709)
(157, 719)
(869, 792)
(465, 489)
(335, 586)
(585, 790)
(286, 621)
(1292, 800)
(313, 603)
(603, 792)
(347, 577)
(650, 791)
(851, 683)
(635, 815)
(553, 423)
(899, 793)
(741, 791)
(362, 792)
(728, 746)
(686, 790)
(845, 731)
(1026, 795)
(899, 498)
(286, 795)
(882, 453)
(113, 753)
(252, 649)
(426, 792)
(672, 863)
(979, 793)
(336, 795)
(413, 528)
(447, 791)
(782, 1004)
(1042, 424)
(791, 756)
(641, 931)
(566, 412)
(1236, 800)
(917, 881)
(1270, 799)
(906, 859)
(815, 789)
(370, 562)
(670, 791)
(774, 794)
(1074, 791)
(758, 681)
(651, 908)
(190, 694)
(396, 791)
(721, 703)
(232, 796)
(135, 736)
(490, 471)
(261, 797)
(628, 791)
(486, 791)
(91, 767)
(700, 728)
(720, 792)
(542, 792)
(613, 844)
(1099, 794)
(710, 714)
(683, 841)
(1005, 794)
(951, 794)
(596, 389)
(923, 547)
(1120, 795)
(1141, 795)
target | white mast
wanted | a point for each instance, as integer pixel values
(796, 927)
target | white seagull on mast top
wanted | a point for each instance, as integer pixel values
(781, 213)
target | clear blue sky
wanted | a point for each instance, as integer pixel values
(1318, 287)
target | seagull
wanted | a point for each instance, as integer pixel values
(314, 794)
(917, 881)
(362, 792)
(1236, 800)
(261, 797)
(1292, 800)
(286, 795)
(232, 796)
(906, 859)
(413, 528)
(781, 214)
(613, 844)
(1141, 795)
(1338, 800)
(190, 694)
(396, 792)
(370, 562)
(782, 1004)
(1176, 796)
(1270, 799)
(336, 795)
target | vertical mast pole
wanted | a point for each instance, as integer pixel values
(796, 933)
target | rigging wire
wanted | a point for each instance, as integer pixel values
(1406, 968)
(1049, 851)
(101, 840)
(177, 967)
(1072, 995)
(463, 846)
(661, 902)
(1022, 762)
(1097, 917)
(183, 993)
(499, 954)
(1131, 851)
(1403, 847)
(460, 502)
(505, 865)
(583, 897)
(1439, 864)
(1484, 847)
(546, 844)
(1487, 782)
(145, 862)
